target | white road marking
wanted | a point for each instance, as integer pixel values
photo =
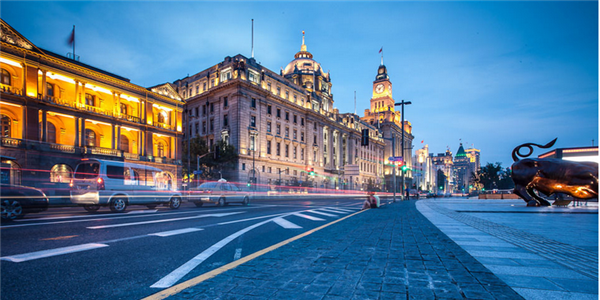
(238, 254)
(285, 223)
(321, 213)
(175, 232)
(327, 209)
(178, 273)
(163, 220)
(147, 211)
(52, 252)
(308, 217)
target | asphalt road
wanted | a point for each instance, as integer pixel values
(68, 253)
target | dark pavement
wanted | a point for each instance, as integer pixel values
(392, 252)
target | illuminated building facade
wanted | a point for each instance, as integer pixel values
(55, 111)
(383, 114)
(281, 124)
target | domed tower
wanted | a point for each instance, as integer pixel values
(306, 72)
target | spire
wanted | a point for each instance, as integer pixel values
(303, 48)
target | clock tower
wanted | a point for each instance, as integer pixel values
(382, 91)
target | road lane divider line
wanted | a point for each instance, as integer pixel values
(162, 220)
(321, 213)
(175, 232)
(52, 252)
(184, 269)
(208, 275)
(285, 223)
(308, 217)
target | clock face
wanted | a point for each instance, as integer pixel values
(379, 88)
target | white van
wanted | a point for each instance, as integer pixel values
(116, 184)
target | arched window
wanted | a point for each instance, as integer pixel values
(160, 150)
(124, 143)
(51, 133)
(61, 173)
(90, 138)
(6, 125)
(5, 77)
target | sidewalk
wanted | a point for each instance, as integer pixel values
(541, 252)
(393, 252)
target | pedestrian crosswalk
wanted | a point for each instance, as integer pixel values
(332, 212)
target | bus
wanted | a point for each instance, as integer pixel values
(116, 184)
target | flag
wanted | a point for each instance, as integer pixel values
(71, 39)
(380, 49)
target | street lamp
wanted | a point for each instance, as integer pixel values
(402, 103)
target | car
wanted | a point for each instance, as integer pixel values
(18, 200)
(219, 192)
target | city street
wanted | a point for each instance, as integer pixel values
(69, 253)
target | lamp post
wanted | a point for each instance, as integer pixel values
(402, 103)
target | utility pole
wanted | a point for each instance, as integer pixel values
(402, 103)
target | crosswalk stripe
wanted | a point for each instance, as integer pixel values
(175, 232)
(321, 213)
(308, 217)
(285, 223)
(52, 252)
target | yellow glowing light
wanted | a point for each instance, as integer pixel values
(9, 104)
(161, 107)
(10, 62)
(61, 77)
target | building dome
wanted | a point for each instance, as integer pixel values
(304, 63)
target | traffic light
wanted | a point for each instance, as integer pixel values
(364, 141)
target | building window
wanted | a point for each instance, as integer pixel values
(278, 149)
(5, 77)
(252, 121)
(90, 138)
(268, 126)
(268, 109)
(225, 121)
(269, 147)
(278, 113)
(287, 150)
(278, 129)
(253, 103)
(301, 121)
(287, 116)
(225, 102)
(90, 100)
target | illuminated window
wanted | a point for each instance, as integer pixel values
(6, 126)
(61, 173)
(5, 77)
(124, 143)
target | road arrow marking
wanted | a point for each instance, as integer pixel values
(52, 252)
(175, 232)
(163, 220)
(285, 223)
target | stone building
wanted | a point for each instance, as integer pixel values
(281, 124)
(56, 111)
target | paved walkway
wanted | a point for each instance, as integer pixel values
(393, 252)
(541, 252)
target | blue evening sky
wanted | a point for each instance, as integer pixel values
(494, 74)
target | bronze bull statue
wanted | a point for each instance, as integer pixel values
(551, 175)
